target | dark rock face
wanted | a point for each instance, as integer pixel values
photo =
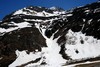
(85, 19)
(28, 39)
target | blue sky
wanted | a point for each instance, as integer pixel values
(8, 6)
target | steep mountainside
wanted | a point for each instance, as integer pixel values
(50, 37)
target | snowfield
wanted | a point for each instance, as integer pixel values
(79, 46)
(17, 26)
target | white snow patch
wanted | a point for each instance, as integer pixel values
(1, 58)
(89, 22)
(53, 8)
(23, 57)
(30, 12)
(20, 12)
(84, 20)
(53, 58)
(79, 46)
(19, 25)
(69, 14)
(87, 11)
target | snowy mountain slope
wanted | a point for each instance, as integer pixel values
(48, 37)
(40, 11)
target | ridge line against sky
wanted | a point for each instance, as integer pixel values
(9, 6)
